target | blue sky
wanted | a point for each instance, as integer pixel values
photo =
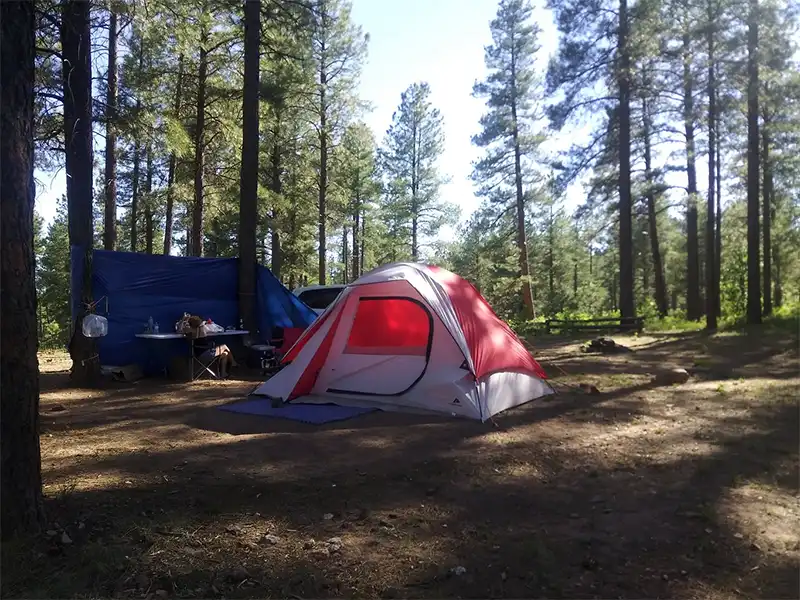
(441, 42)
(438, 41)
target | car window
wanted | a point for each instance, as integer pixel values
(321, 298)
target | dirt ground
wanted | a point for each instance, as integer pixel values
(640, 491)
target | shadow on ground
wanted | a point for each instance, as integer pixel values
(636, 492)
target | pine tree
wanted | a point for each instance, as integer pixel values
(338, 50)
(713, 9)
(110, 188)
(413, 144)
(248, 204)
(357, 175)
(595, 52)
(513, 94)
(780, 133)
(77, 81)
(54, 277)
(19, 374)
(777, 46)
(693, 308)
(753, 141)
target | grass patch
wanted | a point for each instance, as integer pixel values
(672, 323)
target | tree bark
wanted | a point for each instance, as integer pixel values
(148, 201)
(718, 236)
(363, 243)
(136, 167)
(276, 187)
(248, 204)
(767, 211)
(21, 491)
(661, 296)
(692, 244)
(522, 238)
(356, 230)
(77, 81)
(345, 258)
(323, 189)
(110, 208)
(199, 149)
(627, 303)
(753, 235)
(575, 281)
(173, 163)
(778, 280)
(711, 270)
(135, 194)
(414, 191)
(550, 265)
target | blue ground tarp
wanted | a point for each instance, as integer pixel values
(136, 287)
(315, 414)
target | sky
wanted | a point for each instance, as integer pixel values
(438, 41)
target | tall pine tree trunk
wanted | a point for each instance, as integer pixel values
(575, 281)
(323, 172)
(276, 252)
(711, 270)
(173, 163)
(627, 303)
(276, 187)
(692, 244)
(550, 265)
(77, 80)
(522, 238)
(322, 207)
(356, 244)
(135, 194)
(110, 197)
(415, 158)
(363, 242)
(248, 204)
(149, 231)
(753, 235)
(21, 490)
(345, 257)
(767, 211)
(655, 249)
(718, 228)
(136, 167)
(199, 149)
(778, 280)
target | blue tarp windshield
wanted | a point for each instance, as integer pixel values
(135, 287)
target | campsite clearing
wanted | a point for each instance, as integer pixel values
(641, 490)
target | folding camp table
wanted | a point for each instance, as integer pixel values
(176, 336)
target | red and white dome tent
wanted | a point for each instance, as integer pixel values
(408, 336)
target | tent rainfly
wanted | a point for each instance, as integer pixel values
(410, 337)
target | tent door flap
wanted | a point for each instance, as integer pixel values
(387, 349)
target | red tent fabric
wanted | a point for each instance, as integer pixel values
(492, 343)
(410, 337)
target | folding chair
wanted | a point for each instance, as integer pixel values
(198, 349)
(287, 337)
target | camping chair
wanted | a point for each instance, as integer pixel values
(200, 346)
(269, 354)
(264, 352)
(283, 338)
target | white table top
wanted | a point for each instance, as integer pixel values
(179, 336)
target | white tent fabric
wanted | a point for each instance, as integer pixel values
(414, 338)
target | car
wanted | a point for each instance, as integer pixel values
(319, 297)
